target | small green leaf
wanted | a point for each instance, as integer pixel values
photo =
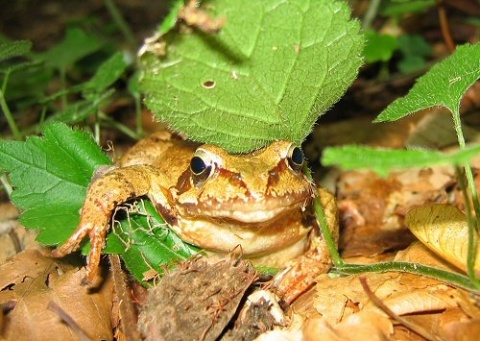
(414, 45)
(384, 161)
(80, 110)
(76, 45)
(107, 73)
(18, 67)
(267, 75)
(379, 47)
(50, 176)
(414, 49)
(444, 85)
(398, 8)
(14, 49)
(170, 20)
(144, 241)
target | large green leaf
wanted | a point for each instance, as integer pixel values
(268, 74)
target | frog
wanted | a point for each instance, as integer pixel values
(260, 201)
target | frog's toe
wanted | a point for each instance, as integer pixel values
(97, 235)
(97, 241)
(73, 243)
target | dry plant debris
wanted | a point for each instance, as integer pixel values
(196, 301)
(32, 281)
(340, 309)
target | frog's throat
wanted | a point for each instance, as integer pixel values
(256, 239)
(276, 259)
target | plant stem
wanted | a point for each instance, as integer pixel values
(473, 224)
(121, 23)
(468, 170)
(322, 221)
(332, 247)
(471, 252)
(6, 184)
(123, 128)
(9, 117)
(370, 14)
(414, 268)
(63, 86)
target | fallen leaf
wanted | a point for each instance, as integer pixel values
(444, 230)
(32, 281)
(341, 310)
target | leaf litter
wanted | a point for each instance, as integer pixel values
(32, 281)
(337, 308)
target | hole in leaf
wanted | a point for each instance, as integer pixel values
(209, 84)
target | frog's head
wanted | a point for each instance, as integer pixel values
(249, 188)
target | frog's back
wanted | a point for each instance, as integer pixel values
(169, 154)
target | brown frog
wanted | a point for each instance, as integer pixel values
(261, 201)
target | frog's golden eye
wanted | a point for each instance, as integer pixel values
(295, 158)
(201, 166)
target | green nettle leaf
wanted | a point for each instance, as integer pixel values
(384, 161)
(444, 85)
(267, 75)
(14, 49)
(50, 176)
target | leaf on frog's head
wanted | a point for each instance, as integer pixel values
(444, 230)
(273, 68)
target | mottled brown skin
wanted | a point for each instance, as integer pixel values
(261, 201)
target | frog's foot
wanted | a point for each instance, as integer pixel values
(104, 195)
(301, 273)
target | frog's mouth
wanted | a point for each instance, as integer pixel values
(248, 211)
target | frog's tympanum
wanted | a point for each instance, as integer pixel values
(261, 201)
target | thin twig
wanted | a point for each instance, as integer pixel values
(55, 308)
(445, 27)
(378, 302)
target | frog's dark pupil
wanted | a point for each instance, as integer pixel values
(297, 156)
(197, 165)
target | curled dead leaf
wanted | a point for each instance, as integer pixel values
(444, 230)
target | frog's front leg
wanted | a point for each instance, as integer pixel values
(104, 194)
(301, 273)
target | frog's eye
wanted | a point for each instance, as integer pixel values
(201, 166)
(295, 158)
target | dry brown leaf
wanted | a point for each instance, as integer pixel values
(420, 301)
(346, 310)
(372, 208)
(28, 264)
(461, 330)
(32, 281)
(366, 325)
(444, 230)
(13, 236)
